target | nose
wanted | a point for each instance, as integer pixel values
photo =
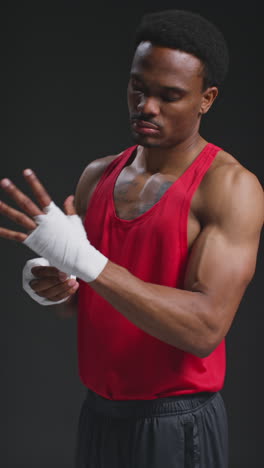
(148, 105)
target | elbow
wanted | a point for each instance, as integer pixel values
(204, 352)
(204, 336)
(209, 337)
(208, 345)
(211, 331)
(201, 348)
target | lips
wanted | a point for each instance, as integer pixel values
(145, 128)
(143, 123)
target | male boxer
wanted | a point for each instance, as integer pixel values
(162, 248)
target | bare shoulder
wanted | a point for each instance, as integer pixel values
(231, 194)
(88, 181)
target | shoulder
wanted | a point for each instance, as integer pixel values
(88, 181)
(231, 195)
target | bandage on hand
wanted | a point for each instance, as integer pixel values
(59, 238)
(65, 245)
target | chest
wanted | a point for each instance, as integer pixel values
(135, 194)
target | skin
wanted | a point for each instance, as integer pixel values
(224, 223)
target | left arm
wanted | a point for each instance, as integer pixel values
(221, 265)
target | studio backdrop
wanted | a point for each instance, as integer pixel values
(67, 68)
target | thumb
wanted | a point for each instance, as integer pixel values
(69, 207)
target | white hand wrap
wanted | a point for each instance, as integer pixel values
(27, 276)
(64, 244)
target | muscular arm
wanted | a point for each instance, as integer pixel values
(221, 265)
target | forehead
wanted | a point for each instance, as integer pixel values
(166, 64)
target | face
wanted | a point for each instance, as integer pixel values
(165, 96)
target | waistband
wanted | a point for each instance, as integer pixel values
(179, 404)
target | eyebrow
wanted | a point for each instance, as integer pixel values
(173, 89)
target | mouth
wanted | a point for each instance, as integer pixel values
(145, 128)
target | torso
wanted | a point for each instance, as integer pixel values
(135, 193)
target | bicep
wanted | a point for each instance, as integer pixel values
(223, 258)
(220, 268)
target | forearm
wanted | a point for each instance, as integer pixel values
(175, 316)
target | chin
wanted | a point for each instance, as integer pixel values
(145, 141)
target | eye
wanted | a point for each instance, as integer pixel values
(136, 85)
(170, 99)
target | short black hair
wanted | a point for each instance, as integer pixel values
(191, 33)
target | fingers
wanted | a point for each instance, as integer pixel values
(52, 283)
(52, 290)
(17, 216)
(69, 207)
(22, 200)
(37, 188)
(40, 285)
(48, 271)
(70, 292)
(12, 235)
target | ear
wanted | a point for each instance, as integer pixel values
(208, 98)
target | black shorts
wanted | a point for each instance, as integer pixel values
(175, 432)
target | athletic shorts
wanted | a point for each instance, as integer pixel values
(186, 431)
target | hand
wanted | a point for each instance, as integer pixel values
(49, 282)
(30, 208)
(24, 202)
(52, 284)
(58, 238)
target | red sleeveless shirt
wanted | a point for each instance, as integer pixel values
(118, 360)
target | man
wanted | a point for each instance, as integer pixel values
(174, 225)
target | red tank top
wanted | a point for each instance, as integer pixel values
(118, 360)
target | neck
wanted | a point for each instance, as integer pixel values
(166, 160)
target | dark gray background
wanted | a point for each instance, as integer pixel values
(67, 67)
